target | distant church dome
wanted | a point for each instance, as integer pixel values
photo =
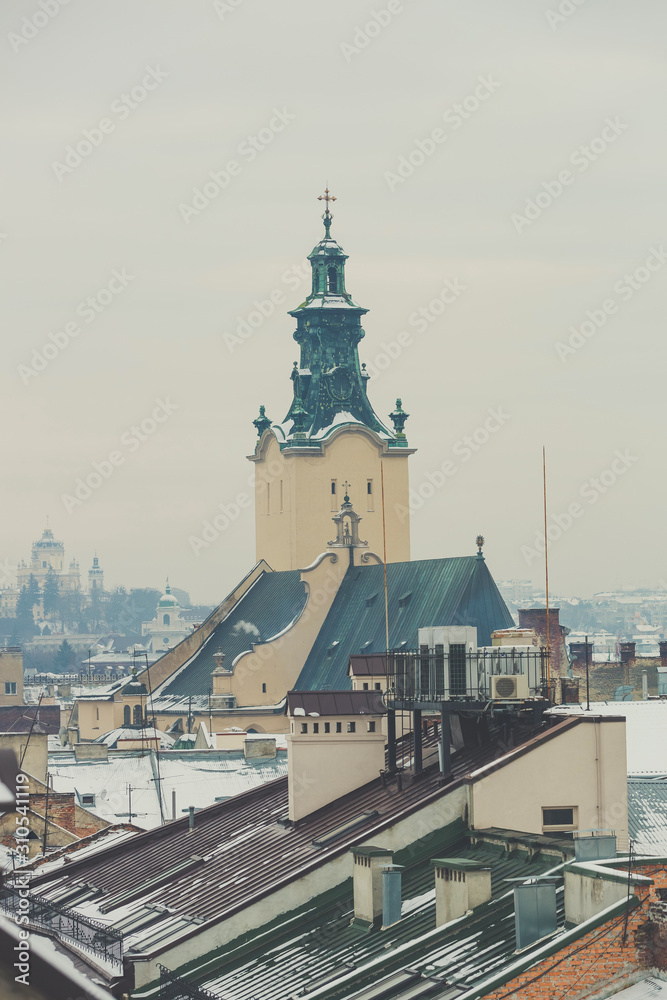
(168, 600)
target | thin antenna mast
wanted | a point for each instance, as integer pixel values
(546, 563)
(384, 554)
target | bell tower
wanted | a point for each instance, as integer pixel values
(331, 435)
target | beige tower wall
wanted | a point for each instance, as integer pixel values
(294, 503)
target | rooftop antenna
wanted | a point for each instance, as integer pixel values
(546, 564)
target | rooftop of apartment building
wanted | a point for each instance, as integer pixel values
(162, 886)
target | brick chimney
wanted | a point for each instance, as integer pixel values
(460, 885)
(536, 619)
(627, 651)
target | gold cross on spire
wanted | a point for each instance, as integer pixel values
(327, 217)
(327, 198)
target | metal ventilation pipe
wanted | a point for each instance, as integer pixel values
(192, 818)
(391, 894)
(535, 914)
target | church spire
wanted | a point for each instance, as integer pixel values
(329, 386)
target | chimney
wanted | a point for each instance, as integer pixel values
(536, 619)
(460, 886)
(367, 880)
(627, 651)
(391, 894)
(535, 915)
(335, 744)
(259, 749)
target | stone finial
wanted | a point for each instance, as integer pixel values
(398, 418)
(261, 422)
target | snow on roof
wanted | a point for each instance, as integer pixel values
(197, 777)
(646, 731)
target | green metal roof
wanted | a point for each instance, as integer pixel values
(455, 591)
(303, 950)
(268, 607)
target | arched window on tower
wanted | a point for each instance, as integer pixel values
(333, 279)
(166, 620)
(137, 715)
(127, 716)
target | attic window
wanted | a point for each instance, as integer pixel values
(405, 599)
(88, 799)
(370, 601)
(332, 648)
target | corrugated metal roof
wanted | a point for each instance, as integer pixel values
(268, 607)
(647, 815)
(232, 836)
(457, 591)
(645, 990)
(320, 944)
(335, 703)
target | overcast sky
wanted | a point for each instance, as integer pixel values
(435, 122)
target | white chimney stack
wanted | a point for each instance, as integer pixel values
(460, 885)
(369, 863)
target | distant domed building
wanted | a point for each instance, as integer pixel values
(49, 554)
(167, 628)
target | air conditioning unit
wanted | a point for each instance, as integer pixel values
(509, 687)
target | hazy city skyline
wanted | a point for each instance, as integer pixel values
(498, 175)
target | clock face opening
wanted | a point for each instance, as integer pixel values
(341, 384)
